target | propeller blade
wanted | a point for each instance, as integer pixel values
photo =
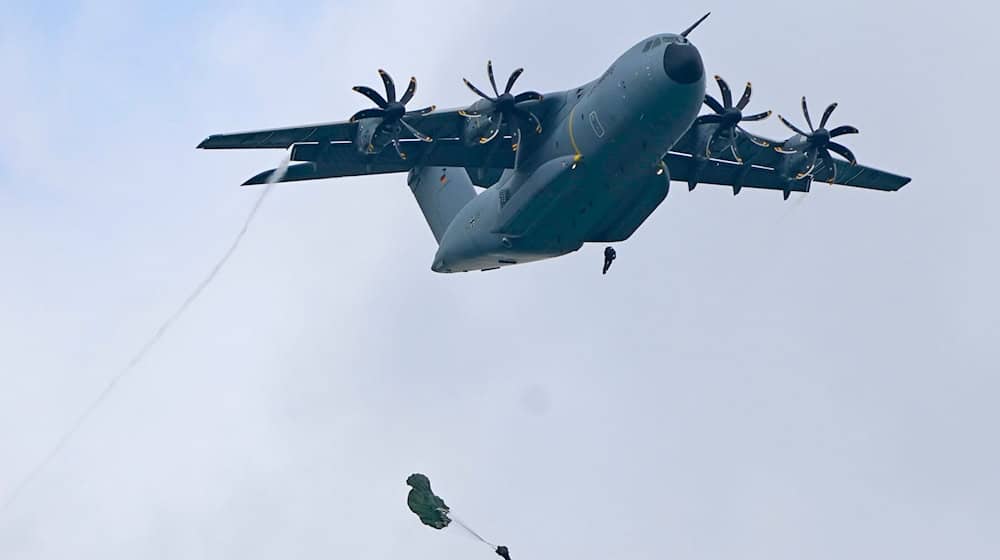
(826, 159)
(714, 104)
(842, 130)
(375, 96)
(476, 90)
(826, 115)
(711, 139)
(745, 100)
(367, 114)
(513, 78)
(727, 95)
(410, 90)
(395, 144)
(419, 135)
(517, 139)
(709, 119)
(810, 167)
(842, 151)
(833, 168)
(496, 130)
(754, 139)
(827, 164)
(528, 96)
(390, 86)
(529, 116)
(420, 112)
(805, 111)
(812, 162)
(736, 153)
(792, 126)
(470, 114)
(538, 123)
(757, 117)
(493, 80)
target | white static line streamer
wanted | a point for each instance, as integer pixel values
(278, 174)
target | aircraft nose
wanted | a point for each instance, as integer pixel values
(682, 63)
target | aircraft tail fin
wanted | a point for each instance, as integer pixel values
(441, 193)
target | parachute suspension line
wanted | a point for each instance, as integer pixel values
(471, 532)
(278, 174)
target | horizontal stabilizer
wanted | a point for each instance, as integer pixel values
(309, 171)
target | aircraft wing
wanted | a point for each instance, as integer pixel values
(328, 149)
(439, 124)
(763, 171)
(341, 159)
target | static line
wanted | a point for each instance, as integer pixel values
(160, 332)
(471, 532)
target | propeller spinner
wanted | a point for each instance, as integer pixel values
(391, 111)
(729, 117)
(504, 106)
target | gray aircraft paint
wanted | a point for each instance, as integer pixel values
(441, 193)
(594, 175)
(751, 380)
(589, 164)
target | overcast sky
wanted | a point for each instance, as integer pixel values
(756, 379)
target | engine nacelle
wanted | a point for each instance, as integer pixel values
(478, 128)
(373, 136)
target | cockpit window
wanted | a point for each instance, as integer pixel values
(653, 43)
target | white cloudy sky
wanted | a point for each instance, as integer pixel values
(756, 379)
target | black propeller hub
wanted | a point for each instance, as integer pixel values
(732, 117)
(394, 112)
(505, 102)
(821, 137)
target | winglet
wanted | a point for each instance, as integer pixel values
(696, 24)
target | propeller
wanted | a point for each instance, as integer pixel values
(729, 117)
(504, 106)
(819, 142)
(392, 111)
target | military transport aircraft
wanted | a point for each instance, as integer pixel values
(588, 164)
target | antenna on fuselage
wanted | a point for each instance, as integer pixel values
(696, 24)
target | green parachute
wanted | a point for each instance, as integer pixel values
(433, 512)
(430, 508)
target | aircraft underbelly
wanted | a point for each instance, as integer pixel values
(607, 210)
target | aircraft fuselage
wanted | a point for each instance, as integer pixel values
(593, 177)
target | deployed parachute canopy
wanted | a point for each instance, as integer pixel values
(433, 512)
(430, 508)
